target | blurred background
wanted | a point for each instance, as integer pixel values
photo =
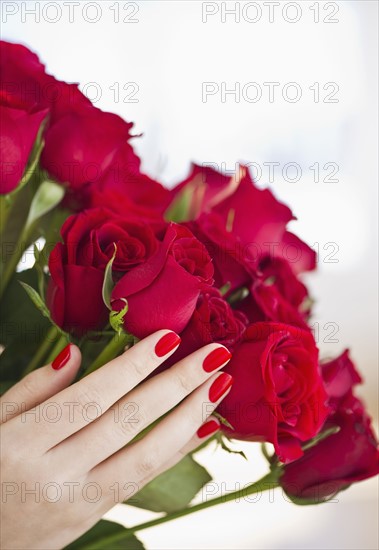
(291, 89)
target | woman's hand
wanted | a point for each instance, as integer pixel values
(64, 461)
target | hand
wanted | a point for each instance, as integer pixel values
(64, 460)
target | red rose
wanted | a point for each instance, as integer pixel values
(340, 376)
(278, 394)
(300, 256)
(343, 458)
(19, 130)
(81, 141)
(276, 294)
(350, 455)
(123, 188)
(203, 188)
(230, 264)
(255, 217)
(212, 321)
(82, 144)
(25, 84)
(163, 292)
(77, 265)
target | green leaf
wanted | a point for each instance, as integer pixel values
(37, 300)
(41, 306)
(106, 535)
(39, 265)
(48, 195)
(108, 283)
(22, 328)
(116, 318)
(173, 490)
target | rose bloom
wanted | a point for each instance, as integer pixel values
(81, 141)
(231, 264)
(213, 320)
(25, 84)
(161, 280)
(278, 394)
(342, 458)
(124, 188)
(77, 265)
(255, 217)
(276, 294)
(19, 129)
(81, 145)
(163, 292)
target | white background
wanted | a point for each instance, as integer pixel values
(169, 53)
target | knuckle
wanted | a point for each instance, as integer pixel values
(89, 395)
(132, 419)
(149, 463)
(132, 365)
(184, 381)
(29, 386)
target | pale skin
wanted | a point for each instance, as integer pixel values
(64, 462)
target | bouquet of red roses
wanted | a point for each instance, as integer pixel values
(117, 256)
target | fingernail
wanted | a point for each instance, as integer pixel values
(216, 358)
(167, 343)
(62, 358)
(220, 386)
(208, 428)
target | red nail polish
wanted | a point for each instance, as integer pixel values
(220, 386)
(216, 358)
(208, 428)
(62, 358)
(167, 343)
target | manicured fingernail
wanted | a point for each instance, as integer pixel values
(167, 343)
(62, 358)
(208, 428)
(220, 386)
(215, 359)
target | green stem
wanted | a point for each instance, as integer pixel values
(269, 481)
(41, 353)
(114, 347)
(5, 208)
(60, 344)
(11, 265)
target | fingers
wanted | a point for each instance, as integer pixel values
(89, 398)
(142, 406)
(143, 458)
(41, 384)
(203, 434)
(207, 430)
